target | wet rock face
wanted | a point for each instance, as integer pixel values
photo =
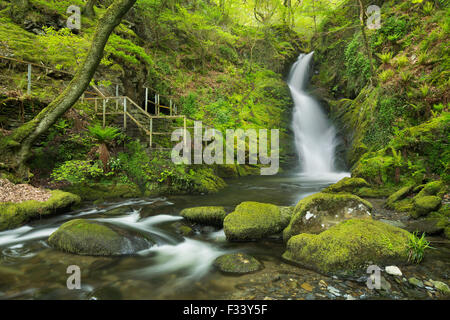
(349, 247)
(254, 220)
(205, 215)
(321, 211)
(237, 263)
(85, 237)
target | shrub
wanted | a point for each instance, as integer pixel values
(77, 171)
(417, 247)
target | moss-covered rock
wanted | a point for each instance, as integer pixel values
(205, 215)
(398, 195)
(349, 246)
(434, 188)
(96, 191)
(435, 223)
(425, 205)
(237, 263)
(347, 185)
(13, 215)
(253, 220)
(320, 211)
(86, 237)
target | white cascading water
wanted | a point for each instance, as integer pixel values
(315, 136)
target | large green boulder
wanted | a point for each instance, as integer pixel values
(237, 263)
(254, 220)
(205, 215)
(434, 188)
(349, 246)
(13, 215)
(320, 211)
(346, 185)
(87, 237)
(424, 205)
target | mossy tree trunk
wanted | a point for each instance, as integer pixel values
(15, 149)
(89, 8)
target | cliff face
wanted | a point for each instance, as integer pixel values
(396, 121)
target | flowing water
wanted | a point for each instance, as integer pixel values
(181, 267)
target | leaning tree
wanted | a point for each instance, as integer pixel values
(15, 149)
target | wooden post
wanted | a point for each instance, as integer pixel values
(158, 106)
(151, 132)
(170, 107)
(104, 113)
(96, 102)
(146, 99)
(117, 95)
(125, 114)
(29, 80)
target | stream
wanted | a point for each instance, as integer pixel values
(180, 267)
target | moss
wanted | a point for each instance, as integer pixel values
(375, 192)
(346, 185)
(434, 188)
(205, 181)
(425, 205)
(398, 195)
(13, 215)
(319, 211)
(253, 220)
(237, 263)
(205, 215)
(349, 246)
(85, 237)
(405, 205)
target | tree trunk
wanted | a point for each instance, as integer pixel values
(366, 43)
(15, 149)
(89, 8)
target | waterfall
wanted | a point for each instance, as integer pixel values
(315, 136)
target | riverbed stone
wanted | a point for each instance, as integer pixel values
(237, 263)
(205, 215)
(320, 211)
(88, 237)
(349, 246)
(415, 282)
(393, 271)
(441, 286)
(13, 215)
(253, 220)
(346, 184)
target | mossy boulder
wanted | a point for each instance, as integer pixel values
(87, 237)
(347, 184)
(320, 211)
(13, 215)
(349, 246)
(237, 263)
(434, 188)
(425, 205)
(205, 215)
(398, 195)
(435, 223)
(254, 220)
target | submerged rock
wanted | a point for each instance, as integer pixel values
(205, 215)
(254, 220)
(346, 185)
(87, 237)
(441, 286)
(237, 263)
(321, 211)
(13, 215)
(349, 246)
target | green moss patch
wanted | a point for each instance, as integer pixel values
(425, 205)
(253, 220)
(347, 185)
(237, 263)
(349, 246)
(85, 237)
(13, 215)
(205, 215)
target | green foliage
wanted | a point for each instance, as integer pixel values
(104, 135)
(357, 66)
(189, 103)
(77, 171)
(385, 57)
(386, 75)
(417, 247)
